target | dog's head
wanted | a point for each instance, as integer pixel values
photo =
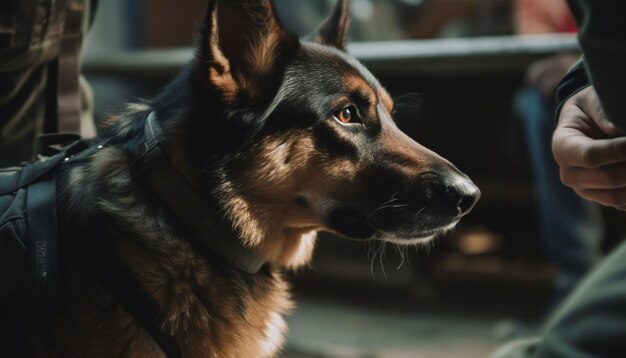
(308, 142)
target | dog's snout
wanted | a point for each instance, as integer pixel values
(463, 194)
(450, 194)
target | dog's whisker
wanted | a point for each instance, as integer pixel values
(394, 206)
(402, 252)
(381, 258)
(388, 202)
(420, 211)
(371, 255)
(407, 255)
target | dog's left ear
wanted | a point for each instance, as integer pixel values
(243, 49)
(333, 31)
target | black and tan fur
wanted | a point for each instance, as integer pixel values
(253, 119)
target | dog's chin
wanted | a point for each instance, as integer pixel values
(399, 236)
(413, 238)
(408, 238)
(405, 229)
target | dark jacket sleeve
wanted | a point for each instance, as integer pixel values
(574, 81)
(602, 37)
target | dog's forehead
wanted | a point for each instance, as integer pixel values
(355, 76)
(342, 61)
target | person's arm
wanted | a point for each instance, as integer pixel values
(587, 143)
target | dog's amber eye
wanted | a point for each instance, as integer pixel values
(346, 115)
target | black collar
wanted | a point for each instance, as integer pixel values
(190, 204)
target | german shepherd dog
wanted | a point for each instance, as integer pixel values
(270, 139)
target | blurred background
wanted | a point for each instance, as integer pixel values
(484, 70)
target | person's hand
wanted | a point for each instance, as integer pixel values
(590, 151)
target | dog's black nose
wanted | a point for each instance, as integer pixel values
(463, 194)
(451, 193)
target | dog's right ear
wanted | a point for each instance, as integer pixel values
(243, 49)
(333, 31)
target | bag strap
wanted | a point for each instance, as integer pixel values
(49, 145)
(68, 71)
(27, 174)
(55, 146)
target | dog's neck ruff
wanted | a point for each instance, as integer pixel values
(190, 205)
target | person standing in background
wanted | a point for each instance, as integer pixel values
(40, 91)
(571, 227)
(589, 146)
(40, 87)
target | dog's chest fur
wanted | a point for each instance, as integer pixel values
(211, 310)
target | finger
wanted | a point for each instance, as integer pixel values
(590, 104)
(608, 197)
(607, 126)
(584, 111)
(606, 177)
(571, 147)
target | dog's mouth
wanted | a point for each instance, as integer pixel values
(401, 224)
(407, 238)
(416, 229)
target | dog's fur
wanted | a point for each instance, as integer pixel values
(254, 119)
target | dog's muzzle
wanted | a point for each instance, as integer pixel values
(432, 203)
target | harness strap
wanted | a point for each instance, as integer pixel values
(49, 145)
(41, 228)
(26, 175)
(119, 281)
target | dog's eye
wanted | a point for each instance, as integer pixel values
(347, 115)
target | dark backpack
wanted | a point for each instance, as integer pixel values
(29, 280)
(28, 219)
(28, 228)
(30, 283)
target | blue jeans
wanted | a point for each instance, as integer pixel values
(571, 227)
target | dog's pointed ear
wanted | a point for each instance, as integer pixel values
(333, 31)
(242, 48)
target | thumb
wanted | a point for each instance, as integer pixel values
(591, 105)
